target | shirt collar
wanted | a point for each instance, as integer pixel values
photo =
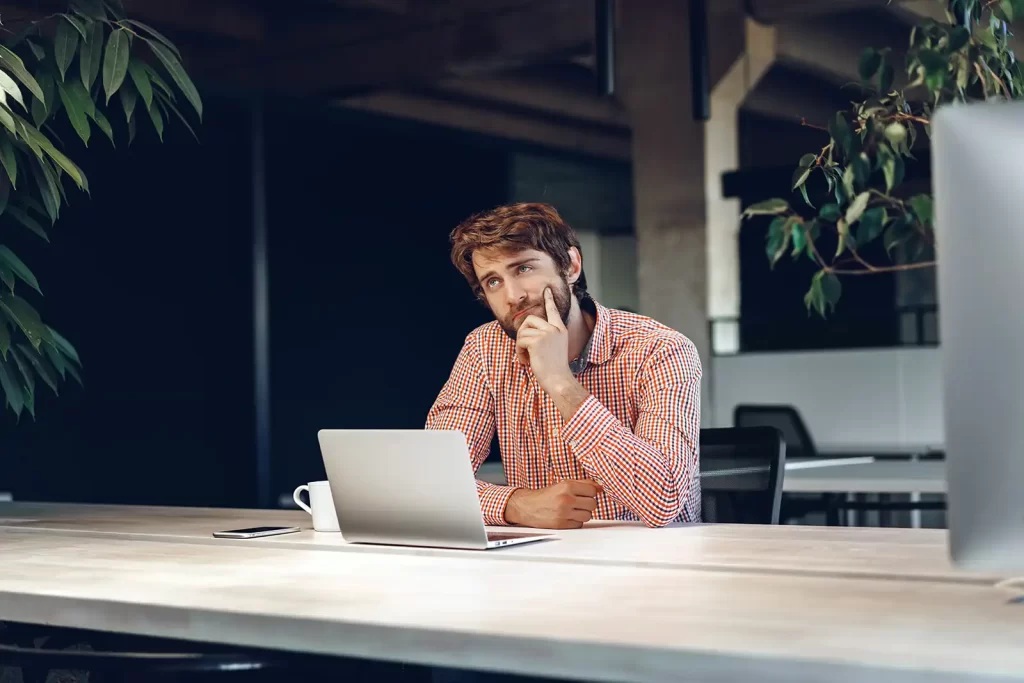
(599, 347)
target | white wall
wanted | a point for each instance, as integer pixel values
(874, 398)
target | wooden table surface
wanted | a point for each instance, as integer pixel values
(836, 551)
(584, 620)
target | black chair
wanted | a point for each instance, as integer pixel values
(99, 656)
(786, 419)
(742, 473)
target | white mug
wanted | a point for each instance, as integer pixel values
(321, 505)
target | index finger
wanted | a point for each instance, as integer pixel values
(584, 488)
(549, 305)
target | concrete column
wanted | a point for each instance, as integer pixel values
(668, 170)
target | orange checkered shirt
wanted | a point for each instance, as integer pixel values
(637, 434)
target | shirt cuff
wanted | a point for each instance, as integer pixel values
(493, 499)
(588, 427)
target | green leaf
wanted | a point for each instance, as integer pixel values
(896, 133)
(42, 366)
(115, 62)
(102, 123)
(799, 237)
(871, 225)
(156, 34)
(47, 190)
(861, 169)
(886, 78)
(11, 260)
(897, 231)
(856, 208)
(165, 100)
(26, 317)
(933, 61)
(815, 297)
(77, 23)
(12, 390)
(8, 86)
(63, 345)
(7, 277)
(140, 78)
(868, 63)
(8, 121)
(1006, 7)
(91, 54)
(159, 82)
(839, 129)
(775, 239)
(922, 206)
(76, 113)
(801, 175)
(27, 221)
(65, 43)
(158, 121)
(56, 360)
(38, 110)
(129, 98)
(5, 338)
(830, 213)
(37, 50)
(769, 207)
(178, 74)
(958, 37)
(831, 289)
(9, 160)
(131, 129)
(59, 157)
(808, 160)
(15, 67)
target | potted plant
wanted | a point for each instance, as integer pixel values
(967, 57)
(102, 72)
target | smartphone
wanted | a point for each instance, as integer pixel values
(256, 532)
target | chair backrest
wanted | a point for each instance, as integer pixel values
(742, 472)
(786, 419)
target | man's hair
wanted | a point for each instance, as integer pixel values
(512, 228)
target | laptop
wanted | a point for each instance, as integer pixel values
(408, 487)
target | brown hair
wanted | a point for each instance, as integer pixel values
(516, 227)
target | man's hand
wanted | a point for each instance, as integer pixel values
(544, 345)
(566, 505)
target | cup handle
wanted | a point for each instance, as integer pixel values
(298, 500)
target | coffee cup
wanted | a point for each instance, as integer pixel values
(321, 505)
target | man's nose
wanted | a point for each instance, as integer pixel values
(514, 293)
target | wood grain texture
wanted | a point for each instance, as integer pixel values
(591, 621)
(919, 554)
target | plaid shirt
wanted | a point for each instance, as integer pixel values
(637, 433)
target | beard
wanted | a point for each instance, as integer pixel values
(562, 295)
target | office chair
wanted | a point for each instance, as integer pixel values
(742, 473)
(97, 657)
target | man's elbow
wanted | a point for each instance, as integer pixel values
(662, 514)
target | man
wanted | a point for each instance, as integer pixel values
(597, 410)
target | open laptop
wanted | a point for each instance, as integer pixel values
(408, 487)
(977, 165)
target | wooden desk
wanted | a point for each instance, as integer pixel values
(799, 550)
(587, 621)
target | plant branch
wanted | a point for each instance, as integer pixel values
(875, 270)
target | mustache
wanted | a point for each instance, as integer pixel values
(525, 307)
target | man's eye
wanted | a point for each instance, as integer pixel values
(525, 269)
(492, 283)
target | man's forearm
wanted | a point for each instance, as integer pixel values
(567, 394)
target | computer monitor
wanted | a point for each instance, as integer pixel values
(978, 182)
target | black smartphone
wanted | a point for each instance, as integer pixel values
(256, 532)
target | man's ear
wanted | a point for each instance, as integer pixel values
(575, 266)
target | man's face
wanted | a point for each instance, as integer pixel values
(513, 284)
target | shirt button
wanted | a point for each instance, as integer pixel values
(574, 444)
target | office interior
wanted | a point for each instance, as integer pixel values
(286, 270)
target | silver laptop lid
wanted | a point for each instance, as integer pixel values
(404, 487)
(978, 179)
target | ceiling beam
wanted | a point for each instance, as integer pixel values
(780, 11)
(311, 63)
